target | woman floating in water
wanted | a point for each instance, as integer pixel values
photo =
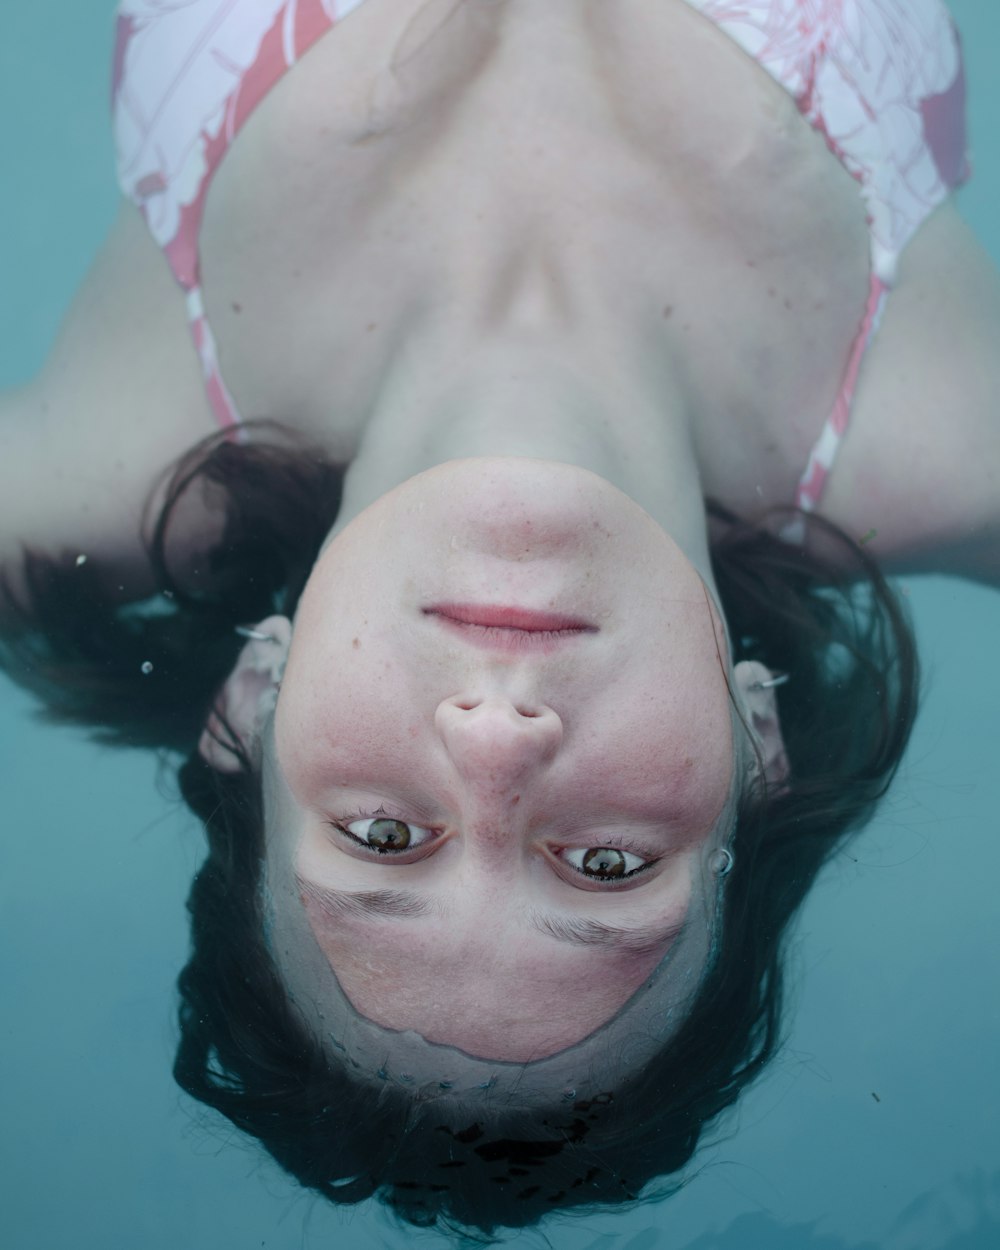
(523, 629)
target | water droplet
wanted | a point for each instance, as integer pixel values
(80, 560)
(147, 667)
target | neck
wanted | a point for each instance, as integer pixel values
(518, 375)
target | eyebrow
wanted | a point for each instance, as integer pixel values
(399, 904)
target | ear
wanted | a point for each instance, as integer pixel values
(248, 696)
(760, 705)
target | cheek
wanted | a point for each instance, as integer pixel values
(667, 746)
(352, 708)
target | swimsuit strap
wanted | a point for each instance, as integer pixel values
(824, 453)
(219, 398)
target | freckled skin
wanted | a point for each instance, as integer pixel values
(504, 760)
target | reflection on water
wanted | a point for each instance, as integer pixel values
(962, 1215)
(884, 1091)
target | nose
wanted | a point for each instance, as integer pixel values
(496, 739)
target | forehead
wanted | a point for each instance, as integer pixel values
(399, 976)
(487, 974)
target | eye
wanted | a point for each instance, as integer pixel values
(605, 863)
(384, 834)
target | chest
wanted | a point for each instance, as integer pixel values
(420, 137)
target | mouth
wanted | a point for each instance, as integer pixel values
(511, 629)
(524, 620)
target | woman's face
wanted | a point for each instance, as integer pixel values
(497, 832)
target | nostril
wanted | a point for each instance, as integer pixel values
(470, 705)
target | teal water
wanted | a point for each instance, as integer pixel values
(875, 1127)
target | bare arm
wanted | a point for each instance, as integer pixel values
(919, 470)
(119, 398)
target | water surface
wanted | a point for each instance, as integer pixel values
(875, 1127)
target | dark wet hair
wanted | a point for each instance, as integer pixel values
(820, 611)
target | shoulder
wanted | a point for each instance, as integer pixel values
(919, 468)
(118, 400)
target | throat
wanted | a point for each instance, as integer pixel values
(579, 395)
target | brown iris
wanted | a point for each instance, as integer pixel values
(604, 861)
(389, 835)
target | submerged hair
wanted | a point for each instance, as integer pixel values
(820, 610)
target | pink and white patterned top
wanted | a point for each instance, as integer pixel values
(881, 80)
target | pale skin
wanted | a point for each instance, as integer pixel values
(508, 363)
(507, 768)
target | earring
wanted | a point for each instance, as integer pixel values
(245, 631)
(778, 679)
(722, 862)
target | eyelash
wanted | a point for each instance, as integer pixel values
(379, 814)
(613, 843)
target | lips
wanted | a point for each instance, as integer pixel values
(525, 620)
(511, 629)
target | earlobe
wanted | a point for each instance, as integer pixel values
(248, 695)
(756, 685)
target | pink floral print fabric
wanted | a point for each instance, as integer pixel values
(883, 82)
(187, 74)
